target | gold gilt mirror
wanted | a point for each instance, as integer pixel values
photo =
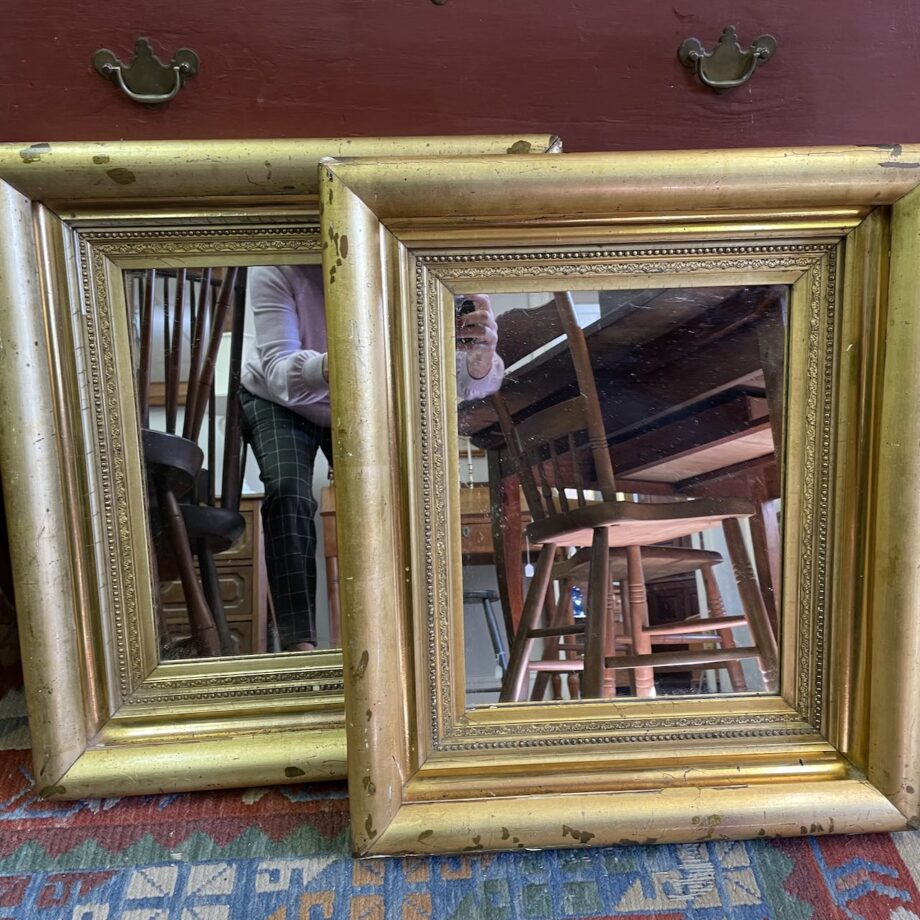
(147, 327)
(628, 515)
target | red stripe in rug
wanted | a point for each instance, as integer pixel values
(223, 815)
(860, 876)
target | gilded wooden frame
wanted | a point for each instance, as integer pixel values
(106, 717)
(836, 749)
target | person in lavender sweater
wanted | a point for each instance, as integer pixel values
(285, 401)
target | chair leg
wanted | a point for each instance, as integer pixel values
(717, 610)
(335, 618)
(596, 628)
(164, 638)
(610, 638)
(765, 539)
(555, 680)
(551, 647)
(552, 613)
(552, 651)
(573, 678)
(557, 614)
(624, 606)
(644, 677)
(273, 638)
(752, 603)
(573, 681)
(498, 644)
(513, 684)
(625, 625)
(204, 632)
(211, 584)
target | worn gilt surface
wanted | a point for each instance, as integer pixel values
(107, 718)
(505, 776)
(102, 255)
(816, 261)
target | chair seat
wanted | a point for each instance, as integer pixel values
(657, 561)
(636, 523)
(220, 528)
(173, 460)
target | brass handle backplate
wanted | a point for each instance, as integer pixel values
(146, 78)
(727, 65)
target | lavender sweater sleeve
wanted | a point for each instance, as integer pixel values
(289, 323)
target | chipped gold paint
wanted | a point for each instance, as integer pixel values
(803, 761)
(106, 718)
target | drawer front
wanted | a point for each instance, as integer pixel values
(842, 73)
(235, 592)
(476, 538)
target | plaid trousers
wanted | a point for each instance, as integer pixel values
(285, 446)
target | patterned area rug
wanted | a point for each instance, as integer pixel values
(282, 854)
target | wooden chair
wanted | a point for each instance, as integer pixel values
(659, 562)
(548, 450)
(186, 516)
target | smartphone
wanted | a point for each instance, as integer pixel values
(462, 306)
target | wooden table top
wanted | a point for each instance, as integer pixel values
(679, 376)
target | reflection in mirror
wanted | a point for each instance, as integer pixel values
(234, 411)
(620, 496)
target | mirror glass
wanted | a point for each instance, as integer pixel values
(234, 415)
(620, 494)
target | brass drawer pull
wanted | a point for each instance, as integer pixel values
(146, 78)
(727, 65)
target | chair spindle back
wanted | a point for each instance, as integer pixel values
(208, 312)
(552, 445)
(587, 386)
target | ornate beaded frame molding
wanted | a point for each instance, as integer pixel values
(817, 259)
(829, 752)
(98, 252)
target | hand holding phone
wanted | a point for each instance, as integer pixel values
(476, 332)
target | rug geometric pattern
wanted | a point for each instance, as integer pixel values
(282, 854)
